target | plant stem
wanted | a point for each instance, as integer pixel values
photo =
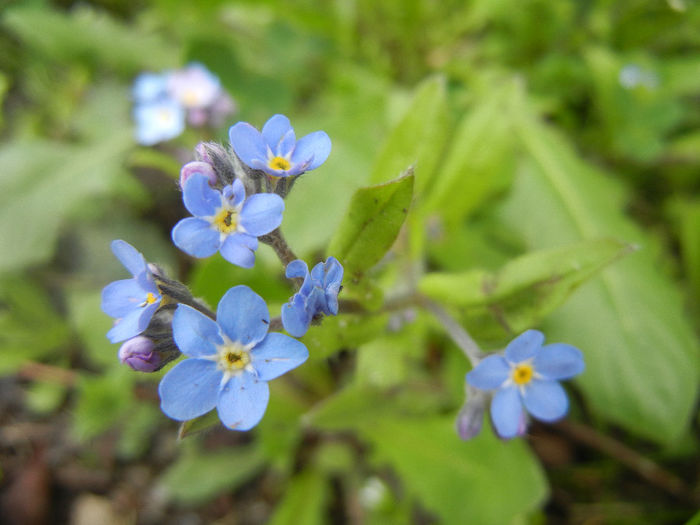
(458, 334)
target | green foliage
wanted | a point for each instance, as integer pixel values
(304, 500)
(371, 225)
(527, 288)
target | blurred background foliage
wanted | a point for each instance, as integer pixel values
(540, 131)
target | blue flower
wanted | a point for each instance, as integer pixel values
(131, 301)
(149, 87)
(158, 121)
(194, 86)
(225, 221)
(527, 375)
(230, 361)
(317, 295)
(276, 150)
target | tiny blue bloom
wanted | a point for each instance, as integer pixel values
(230, 361)
(131, 301)
(194, 86)
(149, 87)
(317, 295)
(276, 150)
(225, 221)
(158, 121)
(527, 375)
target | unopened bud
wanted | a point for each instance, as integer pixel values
(191, 168)
(471, 416)
(140, 354)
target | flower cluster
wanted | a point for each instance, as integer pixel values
(525, 378)
(230, 356)
(164, 101)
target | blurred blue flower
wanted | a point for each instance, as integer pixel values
(157, 121)
(276, 150)
(527, 375)
(149, 87)
(317, 295)
(194, 86)
(230, 361)
(225, 221)
(131, 301)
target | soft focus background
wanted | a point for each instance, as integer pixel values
(533, 124)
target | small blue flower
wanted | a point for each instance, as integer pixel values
(317, 295)
(131, 301)
(225, 221)
(276, 150)
(158, 121)
(194, 86)
(230, 361)
(150, 87)
(528, 375)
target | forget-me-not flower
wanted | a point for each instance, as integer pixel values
(131, 301)
(527, 376)
(230, 361)
(225, 221)
(317, 295)
(194, 86)
(159, 120)
(276, 151)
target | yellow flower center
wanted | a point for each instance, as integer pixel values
(233, 357)
(522, 374)
(226, 221)
(150, 298)
(190, 98)
(279, 163)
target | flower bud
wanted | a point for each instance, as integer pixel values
(471, 416)
(191, 168)
(140, 354)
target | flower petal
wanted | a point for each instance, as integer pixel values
(243, 315)
(200, 199)
(248, 143)
(490, 373)
(261, 213)
(196, 237)
(274, 131)
(524, 346)
(296, 268)
(190, 389)
(119, 298)
(239, 249)
(314, 148)
(195, 334)
(127, 327)
(546, 400)
(559, 361)
(242, 402)
(295, 319)
(129, 256)
(235, 193)
(277, 354)
(286, 144)
(506, 412)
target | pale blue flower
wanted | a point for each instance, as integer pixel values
(158, 121)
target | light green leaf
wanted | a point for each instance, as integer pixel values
(304, 501)
(371, 225)
(112, 390)
(343, 331)
(199, 424)
(641, 354)
(434, 465)
(197, 477)
(478, 163)
(528, 288)
(419, 137)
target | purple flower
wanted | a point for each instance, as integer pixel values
(225, 221)
(527, 376)
(317, 295)
(158, 121)
(131, 301)
(140, 354)
(276, 150)
(194, 86)
(196, 166)
(230, 361)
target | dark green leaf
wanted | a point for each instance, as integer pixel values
(304, 500)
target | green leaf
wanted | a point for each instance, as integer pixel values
(371, 225)
(198, 477)
(528, 288)
(434, 465)
(690, 244)
(199, 424)
(478, 163)
(641, 353)
(419, 137)
(343, 331)
(112, 390)
(87, 34)
(29, 326)
(304, 501)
